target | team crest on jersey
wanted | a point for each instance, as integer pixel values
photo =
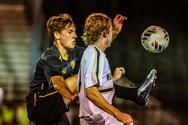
(64, 70)
(72, 64)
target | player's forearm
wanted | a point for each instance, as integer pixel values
(61, 87)
(95, 96)
(114, 34)
(71, 82)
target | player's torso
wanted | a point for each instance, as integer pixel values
(63, 66)
(104, 77)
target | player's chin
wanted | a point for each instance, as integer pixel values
(72, 46)
(108, 45)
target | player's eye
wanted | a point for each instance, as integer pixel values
(70, 31)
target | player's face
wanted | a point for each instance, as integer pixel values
(68, 37)
(109, 38)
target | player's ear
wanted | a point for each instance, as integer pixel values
(104, 34)
(56, 35)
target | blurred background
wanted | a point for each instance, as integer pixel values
(23, 37)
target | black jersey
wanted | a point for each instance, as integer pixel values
(51, 63)
(44, 104)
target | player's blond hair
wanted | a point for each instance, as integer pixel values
(58, 23)
(95, 25)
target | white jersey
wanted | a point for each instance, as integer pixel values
(94, 70)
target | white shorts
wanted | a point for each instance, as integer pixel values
(100, 119)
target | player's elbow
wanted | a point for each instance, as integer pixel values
(91, 93)
(56, 79)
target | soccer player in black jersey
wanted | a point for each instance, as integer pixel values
(53, 85)
(45, 104)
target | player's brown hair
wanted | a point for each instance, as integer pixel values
(95, 25)
(58, 23)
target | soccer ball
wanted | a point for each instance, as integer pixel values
(155, 39)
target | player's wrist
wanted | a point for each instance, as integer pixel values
(114, 79)
(75, 98)
(117, 114)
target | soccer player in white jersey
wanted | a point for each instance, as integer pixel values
(95, 79)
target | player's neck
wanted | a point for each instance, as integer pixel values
(100, 45)
(61, 49)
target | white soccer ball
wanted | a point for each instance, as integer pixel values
(155, 39)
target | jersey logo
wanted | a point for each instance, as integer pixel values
(108, 77)
(64, 70)
(69, 67)
(72, 64)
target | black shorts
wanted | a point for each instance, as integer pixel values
(45, 108)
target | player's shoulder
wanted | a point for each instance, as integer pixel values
(90, 53)
(79, 48)
(92, 50)
(77, 51)
(50, 56)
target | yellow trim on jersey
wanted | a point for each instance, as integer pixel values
(64, 71)
(99, 66)
(50, 85)
(94, 70)
(35, 98)
(43, 96)
(42, 86)
(105, 87)
(65, 57)
(72, 64)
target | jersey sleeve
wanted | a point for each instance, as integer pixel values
(93, 68)
(51, 68)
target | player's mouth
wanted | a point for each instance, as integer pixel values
(74, 42)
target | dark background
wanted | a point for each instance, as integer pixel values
(127, 49)
(24, 37)
(172, 82)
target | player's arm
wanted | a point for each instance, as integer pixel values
(119, 71)
(71, 82)
(67, 88)
(117, 25)
(60, 86)
(95, 96)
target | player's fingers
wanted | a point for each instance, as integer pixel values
(128, 119)
(119, 16)
(131, 123)
(124, 18)
(121, 19)
(126, 122)
(122, 70)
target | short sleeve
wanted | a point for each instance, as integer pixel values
(93, 68)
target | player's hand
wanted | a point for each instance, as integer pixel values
(125, 118)
(119, 71)
(118, 22)
(75, 98)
